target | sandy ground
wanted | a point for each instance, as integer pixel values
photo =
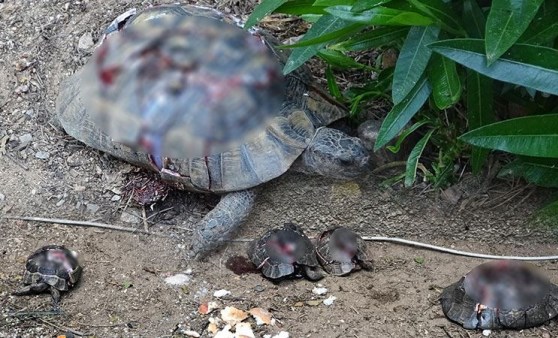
(123, 291)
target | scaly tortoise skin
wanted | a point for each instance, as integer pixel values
(341, 250)
(53, 268)
(501, 294)
(281, 252)
(297, 133)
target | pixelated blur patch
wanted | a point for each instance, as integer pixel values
(182, 86)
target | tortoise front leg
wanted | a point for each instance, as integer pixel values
(220, 223)
(313, 273)
(31, 289)
(55, 298)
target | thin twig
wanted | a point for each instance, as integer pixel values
(82, 223)
(60, 327)
(144, 219)
(16, 161)
(34, 313)
(389, 165)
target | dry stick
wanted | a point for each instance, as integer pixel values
(60, 327)
(82, 223)
(456, 252)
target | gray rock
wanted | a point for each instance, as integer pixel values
(42, 155)
(92, 208)
(25, 139)
(85, 41)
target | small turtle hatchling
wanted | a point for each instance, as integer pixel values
(283, 251)
(501, 294)
(53, 268)
(341, 251)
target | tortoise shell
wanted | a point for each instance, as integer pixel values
(341, 250)
(501, 294)
(266, 156)
(54, 265)
(179, 85)
(281, 252)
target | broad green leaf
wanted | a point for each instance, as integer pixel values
(264, 8)
(326, 24)
(311, 18)
(338, 59)
(402, 113)
(446, 86)
(542, 30)
(380, 16)
(397, 146)
(332, 84)
(474, 20)
(506, 21)
(349, 30)
(300, 7)
(542, 174)
(525, 65)
(373, 39)
(442, 13)
(480, 96)
(412, 60)
(328, 3)
(362, 5)
(530, 136)
(413, 159)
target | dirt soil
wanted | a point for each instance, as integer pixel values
(123, 292)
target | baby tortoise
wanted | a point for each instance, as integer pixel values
(501, 294)
(340, 251)
(281, 252)
(53, 268)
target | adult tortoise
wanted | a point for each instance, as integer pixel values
(296, 137)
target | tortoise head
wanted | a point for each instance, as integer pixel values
(335, 154)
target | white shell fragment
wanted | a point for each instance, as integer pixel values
(232, 315)
(221, 293)
(261, 316)
(178, 279)
(329, 300)
(319, 291)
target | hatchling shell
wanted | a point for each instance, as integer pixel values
(282, 251)
(501, 294)
(53, 264)
(341, 250)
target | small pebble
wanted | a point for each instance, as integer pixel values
(85, 41)
(329, 300)
(25, 139)
(221, 293)
(42, 155)
(319, 291)
(259, 288)
(2, 197)
(178, 279)
(92, 208)
(486, 333)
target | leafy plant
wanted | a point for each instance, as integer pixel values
(486, 56)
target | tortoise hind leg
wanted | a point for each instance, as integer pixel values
(31, 289)
(221, 222)
(313, 273)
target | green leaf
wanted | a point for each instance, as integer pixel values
(264, 8)
(442, 12)
(326, 24)
(412, 60)
(373, 39)
(542, 174)
(530, 136)
(380, 16)
(474, 20)
(479, 111)
(338, 59)
(402, 113)
(397, 146)
(328, 3)
(413, 159)
(362, 5)
(332, 84)
(351, 29)
(525, 65)
(506, 21)
(446, 86)
(300, 7)
(542, 30)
